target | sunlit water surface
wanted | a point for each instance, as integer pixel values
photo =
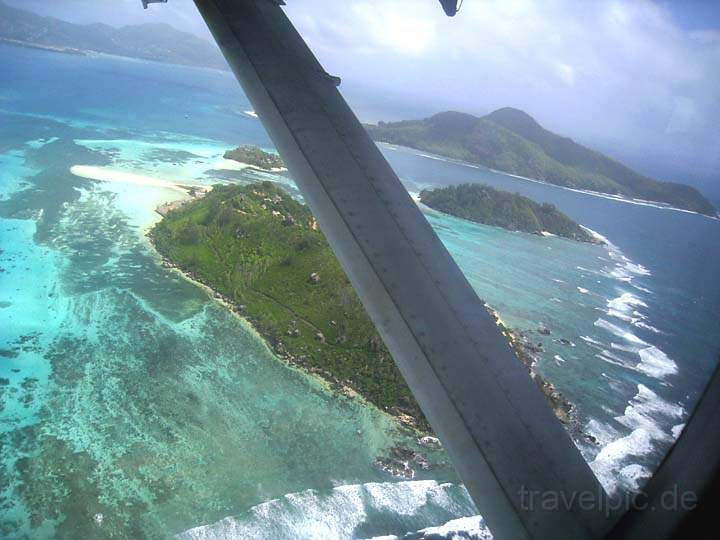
(132, 402)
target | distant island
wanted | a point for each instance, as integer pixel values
(159, 42)
(262, 254)
(252, 155)
(510, 140)
(483, 204)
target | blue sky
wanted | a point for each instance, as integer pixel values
(637, 78)
(694, 14)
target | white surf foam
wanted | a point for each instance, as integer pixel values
(653, 361)
(677, 430)
(643, 289)
(603, 433)
(644, 410)
(634, 476)
(635, 268)
(626, 302)
(611, 358)
(467, 528)
(646, 326)
(622, 316)
(620, 332)
(612, 355)
(656, 363)
(626, 348)
(436, 158)
(341, 512)
(608, 463)
(623, 308)
(588, 339)
(616, 464)
(625, 269)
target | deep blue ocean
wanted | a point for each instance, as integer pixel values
(133, 405)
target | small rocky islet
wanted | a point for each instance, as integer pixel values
(255, 157)
(481, 203)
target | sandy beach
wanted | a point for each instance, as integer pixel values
(108, 175)
(234, 165)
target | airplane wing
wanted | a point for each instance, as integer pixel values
(501, 435)
(146, 2)
(509, 449)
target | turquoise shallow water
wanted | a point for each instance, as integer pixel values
(139, 404)
(134, 405)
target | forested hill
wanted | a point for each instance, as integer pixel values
(512, 141)
(159, 42)
(263, 254)
(483, 204)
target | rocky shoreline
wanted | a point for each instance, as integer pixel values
(194, 193)
(526, 351)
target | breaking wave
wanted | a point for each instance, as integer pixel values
(468, 528)
(616, 464)
(373, 510)
(623, 307)
(653, 362)
(630, 442)
(646, 326)
(614, 359)
(588, 339)
(620, 332)
(624, 270)
(656, 363)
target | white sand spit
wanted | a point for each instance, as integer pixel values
(108, 175)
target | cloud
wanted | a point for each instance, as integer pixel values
(566, 73)
(683, 117)
(610, 70)
(621, 72)
(395, 30)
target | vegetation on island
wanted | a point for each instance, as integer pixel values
(264, 256)
(252, 155)
(483, 204)
(510, 140)
(264, 253)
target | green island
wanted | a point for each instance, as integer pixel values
(483, 204)
(263, 255)
(512, 141)
(256, 157)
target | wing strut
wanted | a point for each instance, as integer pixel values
(505, 442)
